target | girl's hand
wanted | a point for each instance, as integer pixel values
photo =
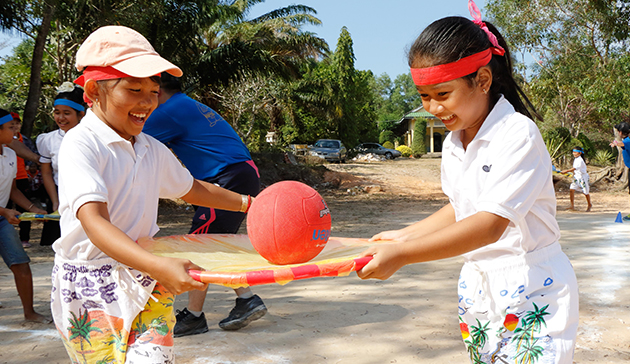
(387, 260)
(55, 206)
(172, 273)
(389, 235)
(37, 210)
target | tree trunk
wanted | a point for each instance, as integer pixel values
(35, 86)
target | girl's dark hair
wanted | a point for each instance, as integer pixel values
(170, 82)
(623, 127)
(75, 95)
(452, 38)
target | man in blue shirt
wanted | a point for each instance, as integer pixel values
(210, 148)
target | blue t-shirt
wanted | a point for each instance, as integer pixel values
(626, 151)
(200, 137)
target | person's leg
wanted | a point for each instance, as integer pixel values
(588, 200)
(17, 260)
(241, 178)
(572, 198)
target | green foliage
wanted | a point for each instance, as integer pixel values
(388, 145)
(405, 150)
(558, 142)
(419, 132)
(603, 158)
(386, 136)
(395, 99)
(589, 148)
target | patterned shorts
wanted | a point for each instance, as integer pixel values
(521, 309)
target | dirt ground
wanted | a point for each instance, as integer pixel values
(410, 318)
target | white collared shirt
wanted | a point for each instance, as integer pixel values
(505, 170)
(8, 171)
(97, 165)
(580, 168)
(48, 147)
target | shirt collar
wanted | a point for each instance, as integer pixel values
(501, 111)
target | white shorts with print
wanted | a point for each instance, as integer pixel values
(520, 309)
(581, 184)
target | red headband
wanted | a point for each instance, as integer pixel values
(450, 71)
(98, 74)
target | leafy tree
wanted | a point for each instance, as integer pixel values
(386, 136)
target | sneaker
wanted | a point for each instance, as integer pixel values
(245, 311)
(26, 244)
(626, 218)
(187, 324)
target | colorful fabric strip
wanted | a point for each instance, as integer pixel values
(69, 103)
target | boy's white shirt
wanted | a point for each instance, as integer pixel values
(98, 165)
(505, 170)
(48, 145)
(8, 171)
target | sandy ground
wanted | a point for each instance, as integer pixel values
(411, 318)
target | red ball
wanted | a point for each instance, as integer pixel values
(288, 223)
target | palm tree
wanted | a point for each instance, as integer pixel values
(80, 327)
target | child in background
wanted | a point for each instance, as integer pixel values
(108, 289)
(69, 108)
(11, 249)
(517, 290)
(21, 179)
(580, 178)
(623, 129)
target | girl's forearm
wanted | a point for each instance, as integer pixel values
(474, 232)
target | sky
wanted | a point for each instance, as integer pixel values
(381, 30)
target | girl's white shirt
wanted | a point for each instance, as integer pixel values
(580, 168)
(48, 145)
(505, 170)
(98, 165)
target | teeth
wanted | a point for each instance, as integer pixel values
(448, 118)
(138, 115)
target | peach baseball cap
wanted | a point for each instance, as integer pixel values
(125, 50)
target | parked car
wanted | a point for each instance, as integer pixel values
(329, 149)
(377, 149)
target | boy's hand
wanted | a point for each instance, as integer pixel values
(386, 260)
(172, 273)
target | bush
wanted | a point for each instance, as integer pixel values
(388, 145)
(603, 158)
(419, 132)
(405, 150)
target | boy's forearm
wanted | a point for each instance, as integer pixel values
(208, 195)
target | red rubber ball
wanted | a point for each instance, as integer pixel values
(288, 223)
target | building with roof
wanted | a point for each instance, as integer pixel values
(436, 130)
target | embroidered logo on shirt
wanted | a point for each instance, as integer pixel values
(203, 217)
(486, 168)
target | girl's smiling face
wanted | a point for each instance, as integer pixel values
(125, 104)
(459, 105)
(66, 117)
(6, 132)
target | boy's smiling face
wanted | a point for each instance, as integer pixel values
(126, 103)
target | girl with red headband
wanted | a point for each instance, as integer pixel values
(109, 294)
(518, 298)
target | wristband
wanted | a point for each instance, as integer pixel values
(29, 208)
(246, 201)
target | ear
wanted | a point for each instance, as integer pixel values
(484, 78)
(91, 90)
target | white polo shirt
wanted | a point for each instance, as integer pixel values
(96, 164)
(580, 168)
(48, 147)
(8, 171)
(505, 170)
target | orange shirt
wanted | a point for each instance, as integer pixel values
(21, 171)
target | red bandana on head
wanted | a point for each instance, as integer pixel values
(464, 66)
(98, 74)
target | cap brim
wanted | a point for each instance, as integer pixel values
(147, 66)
